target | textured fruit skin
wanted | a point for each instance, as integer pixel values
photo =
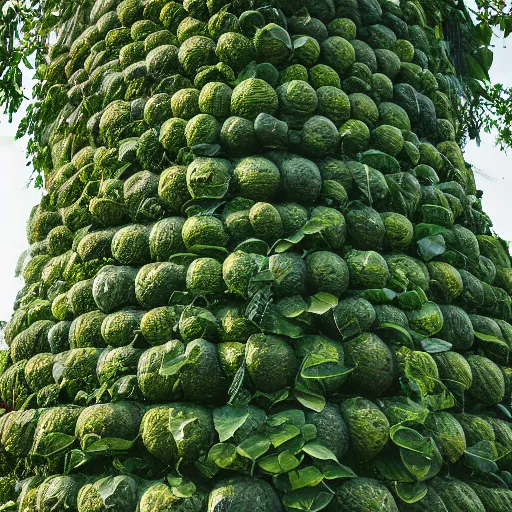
(259, 249)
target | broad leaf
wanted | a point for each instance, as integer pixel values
(322, 302)
(307, 477)
(228, 420)
(431, 246)
(435, 345)
(319, 451)
(411, 492)
(254, 447)
(172, 365)
(312, 500)
(223, 455)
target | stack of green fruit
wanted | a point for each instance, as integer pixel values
(261, 278)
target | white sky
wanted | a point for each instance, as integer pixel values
(16, 200)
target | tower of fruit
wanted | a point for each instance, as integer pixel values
(260, 279)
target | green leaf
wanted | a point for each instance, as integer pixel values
(435, 345)
(130, 465)
(184, 489)
(181, 428)
(322, 302)
(223, 455)
(228, 420)
(235, 391)
(249, 71)
(109, 445)
(411, 492)
(309, 432)
(53, 443)
(411, 300)
(300, 42)
(312, 226)
(294, 416)
(111, 487)
(288, 461)
(395, 332)
(402, 411)
(431, 246)
(307, 477)
(308, 397)
(252, 245)
(483, 456)
(283, 433)
(172, 365)
(75, 459)
(488, 337)
(393, 470)
(319, 451)
(279, 33)
(422, 459)
(254, 447)
(209, 250)
(274, 322)
(312, 500)
(334, 471)
(324, 363)
(206, 150)
(206, 467)
(475, 70)
(292, 307)
(270, 464)
(379, 296)
(406, 437)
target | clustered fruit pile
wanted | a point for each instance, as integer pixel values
(261, 278)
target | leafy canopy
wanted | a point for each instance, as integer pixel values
(28, 26)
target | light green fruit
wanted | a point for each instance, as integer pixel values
(172, 188)
(320, 137)
(399, 230)
(338, 53)
(369, 431)
(266, 222)
(195, 52)
(322, 75)
(273, 44)
(428, 320)
(156, 282)
(271, 362)
(185, 103)
(215, 99)
(297, 97)
(202, 129)
(363, 108)
(208, 177)
(238, 136)
(252, 97)
(334, 104)
(158, 325)
(235, 493)
(204, 230)
(326, 272)
(165, 238)
(236, 50)
(342, 27)
(172, 135)
(256, 178)
(355, 137)
(367, 269)
(204, 277)
(306, 50)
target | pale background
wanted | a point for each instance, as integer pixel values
(16, 199)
